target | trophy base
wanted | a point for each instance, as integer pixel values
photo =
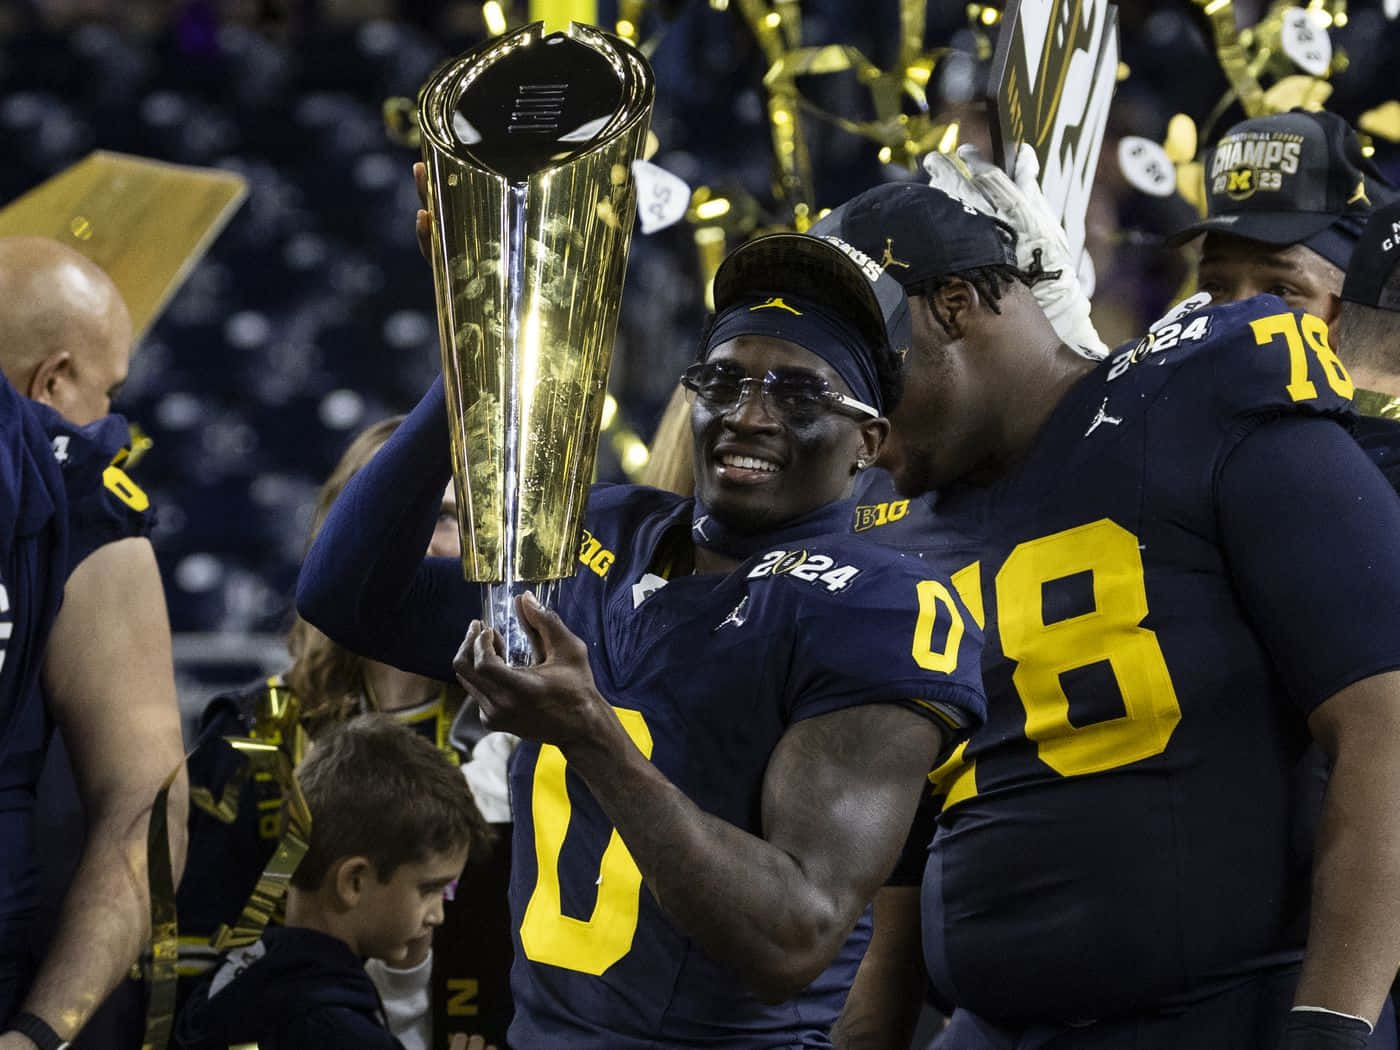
(498, 611)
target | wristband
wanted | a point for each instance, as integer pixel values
(38, 1032)
(1313, 1028)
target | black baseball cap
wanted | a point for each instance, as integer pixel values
(917, 232)
(1374, 260)
(823, 270)
(1290, 178)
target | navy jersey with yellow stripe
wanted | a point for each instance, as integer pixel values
(33, 541)
(104, 504)
(706, 672)
(1118, 836)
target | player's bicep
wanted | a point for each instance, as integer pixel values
(840, 793)
(108, 675)
(1311, 532)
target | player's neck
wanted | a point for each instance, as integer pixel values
(1035, 379)
(306, 910)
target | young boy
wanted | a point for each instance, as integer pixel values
(393, 823)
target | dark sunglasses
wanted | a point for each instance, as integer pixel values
(791, 394)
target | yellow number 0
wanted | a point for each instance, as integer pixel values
(125, 489)
(1314, 332)
(932, 594)
(546, 933)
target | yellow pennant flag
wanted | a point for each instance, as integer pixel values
(146, 223)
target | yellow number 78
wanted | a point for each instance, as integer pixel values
(1313, 331)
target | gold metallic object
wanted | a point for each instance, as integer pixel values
(276, 721)
(165, 932)
(1374, 403)
(1298, 92)
(529, 142)
(144, 222)
(401, 121)
(1383, 121)
(901, 137)
(291, 845)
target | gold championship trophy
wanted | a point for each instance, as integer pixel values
(529, 142)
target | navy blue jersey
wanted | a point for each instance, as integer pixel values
(33, 544)
(707, 673)
(104, 504)
(883, 515)
(1117, 837)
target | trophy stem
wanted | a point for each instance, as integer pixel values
(498, 611)
(497, 599)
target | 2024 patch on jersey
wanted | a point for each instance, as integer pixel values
(706, 674)
(1118, 833)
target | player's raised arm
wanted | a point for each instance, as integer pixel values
(365, 582)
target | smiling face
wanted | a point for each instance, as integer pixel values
(755, 470)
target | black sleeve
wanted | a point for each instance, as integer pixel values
(1311, 531)
(366, 582)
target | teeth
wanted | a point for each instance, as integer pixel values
(748, 463)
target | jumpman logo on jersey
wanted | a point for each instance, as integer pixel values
(775, 303)
(1102, 417)
(737, 616)
(1359, 194)
(889, 259)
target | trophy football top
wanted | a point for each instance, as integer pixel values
(535, 106)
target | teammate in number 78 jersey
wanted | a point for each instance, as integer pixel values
(1168, 551)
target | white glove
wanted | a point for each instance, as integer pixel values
(1021, 205)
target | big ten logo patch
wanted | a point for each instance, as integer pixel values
(1248, 163)
(873, 515)
(594, 554)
